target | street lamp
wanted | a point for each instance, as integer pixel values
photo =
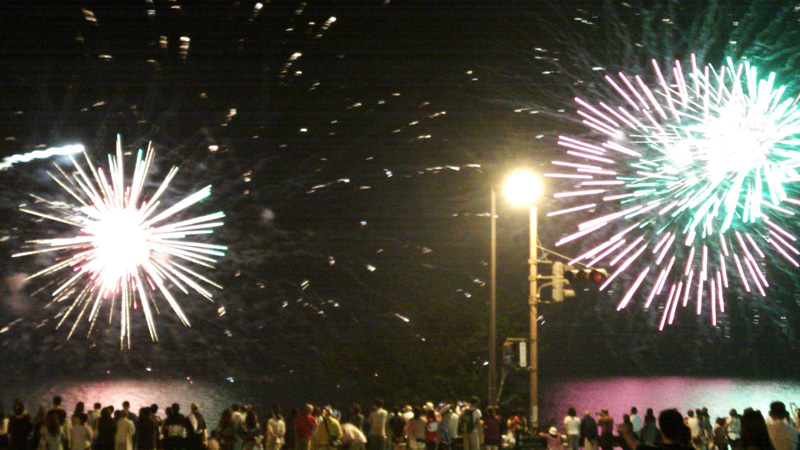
(524, 188)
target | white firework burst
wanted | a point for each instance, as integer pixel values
(123, 245)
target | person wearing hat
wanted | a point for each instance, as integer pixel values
(782, 433)
(553, 439)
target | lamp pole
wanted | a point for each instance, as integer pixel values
(533, 302)
(492, 391)
(524, 188)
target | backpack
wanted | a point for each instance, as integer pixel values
(469, 420)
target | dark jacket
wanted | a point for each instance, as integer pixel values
(147, 433)
(19, 429)
(174, 437)
(106, 429)
(588, 428)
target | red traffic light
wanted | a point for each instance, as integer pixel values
(585, 277)
(597, 277)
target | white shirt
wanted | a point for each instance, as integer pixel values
(80, 437)
(694, 426)
(123, 439)
(573, 425)
(452, 423)
(782, 434)
(636, 423)
(734, 428)
(377, 422)
(93, 416)
(237, 418)
(193, 421)
(276, 430)
(351, 433)
(476, 417)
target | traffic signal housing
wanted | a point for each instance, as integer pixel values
(583, 278)
(515, 353)
(560, 283)
(568, 279)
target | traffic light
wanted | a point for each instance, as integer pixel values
(510, 355)
(515, 353)
(568, 279)
(560, 288)
(585, 278)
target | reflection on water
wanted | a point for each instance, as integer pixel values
(617, 394)
(213, 398)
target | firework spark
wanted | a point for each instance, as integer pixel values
(694, 180)
(123, 245)
(40, 154)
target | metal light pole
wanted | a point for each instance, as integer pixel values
(492, 394)
(524, 188)
(533, 302)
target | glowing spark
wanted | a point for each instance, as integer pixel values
(40, 154)
(702, 167)
(125, 244)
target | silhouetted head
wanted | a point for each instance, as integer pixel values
(670, 421)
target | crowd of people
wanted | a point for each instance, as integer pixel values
(102, 428)
(673, 431)
(453, 426)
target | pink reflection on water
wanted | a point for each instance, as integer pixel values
(213, 398)
(619, 394)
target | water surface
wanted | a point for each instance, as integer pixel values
(617, 394)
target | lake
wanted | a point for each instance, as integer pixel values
(617, 394)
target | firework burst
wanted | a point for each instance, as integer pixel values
(125, 245)
(694, 180)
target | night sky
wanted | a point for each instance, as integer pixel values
(355, 178)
